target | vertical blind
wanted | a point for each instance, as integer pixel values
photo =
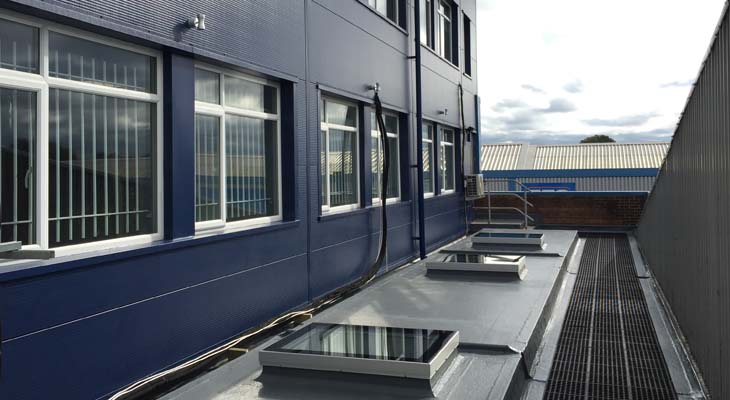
(101, 148)
(18, 47)
(427, 154)
(17, 165)
(251, 168)
(343, 181)
(207, 168)
(446, 159)
(377, 157)
(82, 60)
(339, 154)
(101, 167)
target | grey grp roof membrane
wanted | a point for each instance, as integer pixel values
(489, 313)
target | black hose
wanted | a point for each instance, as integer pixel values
(463, 154)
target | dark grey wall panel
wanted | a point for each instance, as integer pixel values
(353, 58)
(439, 94)
(265, 33)
(685, 229)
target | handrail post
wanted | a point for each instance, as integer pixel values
(489, 203)
(525, 205)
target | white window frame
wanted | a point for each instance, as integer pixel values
(41, 83)
(375, 133)
(440, 31)
(220, 111)
(325, 126)
(444, 144)
(430, 192)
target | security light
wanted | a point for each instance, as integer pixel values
(197, 22)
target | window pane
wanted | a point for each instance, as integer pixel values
(392, 10)
(342, 154)
(18, 46)
(375, 164)
(18, 137)
(427, 167)
(86, 61)
(101, 167)
(467, 45)
(251, 168)
(207, 168)
(248, 95)
(447, 167)
(424, 21)
(324, 182)
(393, 184)
(447, 136)
(341, 114)
(207, 86)
(391, 124)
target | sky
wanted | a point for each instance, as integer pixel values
(557, 71)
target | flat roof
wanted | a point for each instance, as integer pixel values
(499, 321)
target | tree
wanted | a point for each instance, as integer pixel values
(598, 139)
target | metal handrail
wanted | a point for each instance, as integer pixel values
(525, 189)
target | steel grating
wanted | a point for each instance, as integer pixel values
(608, 348)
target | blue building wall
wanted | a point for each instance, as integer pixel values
(82, 327)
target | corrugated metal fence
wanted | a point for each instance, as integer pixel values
(685, 229)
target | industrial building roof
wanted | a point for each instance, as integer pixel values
(523, 156)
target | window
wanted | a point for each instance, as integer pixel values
(467, 45)
(428, 165)
(237, 151)
(339, 147)
(389, 8)
(444, 31)
(376, 156)
(79, 138)
(446, 160)
(427, 23)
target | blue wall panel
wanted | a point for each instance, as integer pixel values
(93, 356)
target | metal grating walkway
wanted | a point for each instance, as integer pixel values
(608, 348)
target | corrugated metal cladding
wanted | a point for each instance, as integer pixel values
(685, 229)
(500, 157)
(579, 156)
(601, 156)
(589, 183)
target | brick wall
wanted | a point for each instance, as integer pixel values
(585, 209)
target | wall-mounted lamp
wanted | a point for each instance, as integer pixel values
(375, 88)
(445, 111)
(197, 22)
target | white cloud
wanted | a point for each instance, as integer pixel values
(623, 66)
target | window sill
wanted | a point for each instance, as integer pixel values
(32, 268)
(388, 20)
(331, 215)
(222, 228)
(393, 200)
(446, 60)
